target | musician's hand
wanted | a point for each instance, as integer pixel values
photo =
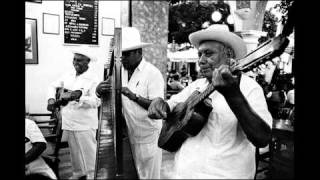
(104, 86)
(75, 95)
(51, 104)
(179, 111)
(158, 109)
(226, 82)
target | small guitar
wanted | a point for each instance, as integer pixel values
(177, 129)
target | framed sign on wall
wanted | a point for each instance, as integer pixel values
(108, 26)
(31, 41)
(51, 23)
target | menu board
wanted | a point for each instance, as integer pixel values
(81, 22)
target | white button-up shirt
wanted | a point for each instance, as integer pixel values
(147, 82)
(32, 135)
(221, 150)
(82, 115)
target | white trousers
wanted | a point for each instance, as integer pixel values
(83, 147)
(147, 158)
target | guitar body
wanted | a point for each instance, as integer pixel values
(184, 121)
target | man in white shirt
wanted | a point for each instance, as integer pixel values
(238, 122)
(79, 112)
(141, 82)
(35, 145)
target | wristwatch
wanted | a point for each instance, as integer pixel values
(135, 98)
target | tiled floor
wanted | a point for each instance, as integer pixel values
(166, 169)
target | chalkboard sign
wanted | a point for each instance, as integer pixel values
(81, 22)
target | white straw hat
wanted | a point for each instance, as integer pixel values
(131, 39)
(221, 33)
(86, 51)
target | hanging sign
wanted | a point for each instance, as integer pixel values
(81, 22)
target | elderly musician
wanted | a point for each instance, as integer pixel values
(79, 111)
(239, 121)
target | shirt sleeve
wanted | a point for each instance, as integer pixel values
(33, 132)
(156, 86)
(89, 98)
(257, 101)
(182, 96)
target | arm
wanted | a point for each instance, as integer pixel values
(159, 108)
(256, 129)
(155, 88)
(88, 98)
(38, 143)
(37, 149)
(143, 102)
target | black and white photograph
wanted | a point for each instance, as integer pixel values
(175, 89)
(31, 41)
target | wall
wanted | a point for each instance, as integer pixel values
(151, 18)
(53, 54)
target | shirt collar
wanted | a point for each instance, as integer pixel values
(84, 75)
(141, 65)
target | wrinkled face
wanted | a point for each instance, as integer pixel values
(80, 63)
(131, 58)
(212, 54)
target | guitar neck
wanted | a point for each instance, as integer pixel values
(210, 88)
(200, 97)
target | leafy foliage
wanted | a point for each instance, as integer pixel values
(187, 17)
(283, 8)
(270, 20)
(269, 26)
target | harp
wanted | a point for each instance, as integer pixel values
(113, 153)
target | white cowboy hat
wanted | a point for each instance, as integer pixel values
(131, 39)
(86, 51)
(221, 33)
